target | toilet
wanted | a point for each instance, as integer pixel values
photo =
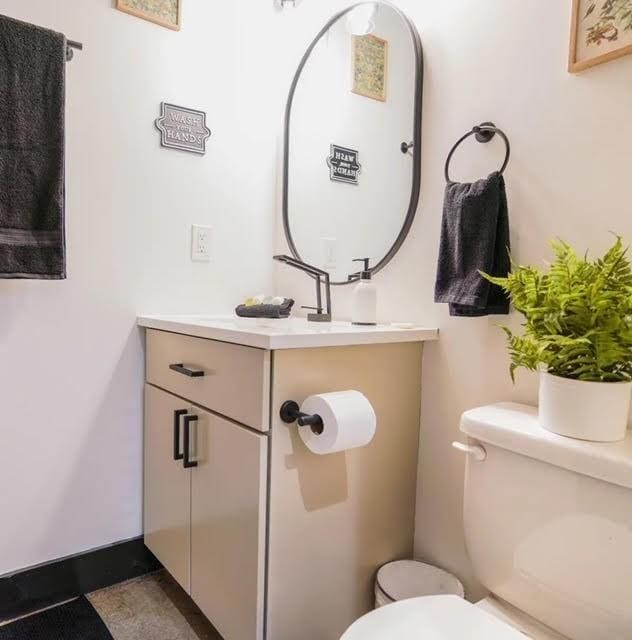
(548, 527)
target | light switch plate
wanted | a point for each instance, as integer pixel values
(200, 243)
(328, 252)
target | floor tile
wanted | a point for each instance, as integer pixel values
(152, 607)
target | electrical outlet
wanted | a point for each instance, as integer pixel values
(200, 243)
(328, 253)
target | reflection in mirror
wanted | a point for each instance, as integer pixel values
(353, 126)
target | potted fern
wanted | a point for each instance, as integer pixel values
(578, 334)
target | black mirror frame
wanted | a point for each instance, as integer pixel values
(416, 144)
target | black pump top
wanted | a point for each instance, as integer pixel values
(365, 274)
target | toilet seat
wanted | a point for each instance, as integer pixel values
(430, 618)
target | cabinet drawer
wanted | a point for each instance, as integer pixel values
(230, 379)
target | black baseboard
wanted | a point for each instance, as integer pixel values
(54, 582)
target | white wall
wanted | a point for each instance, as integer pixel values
(569, 176)
(72, 362)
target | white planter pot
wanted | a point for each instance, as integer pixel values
(596, 411)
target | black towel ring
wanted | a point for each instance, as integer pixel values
(484, 133)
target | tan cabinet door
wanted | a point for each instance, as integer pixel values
(228, 525)
(335, 519)
(167, 491)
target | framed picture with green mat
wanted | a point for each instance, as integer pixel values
(601, 31)
(166, 13)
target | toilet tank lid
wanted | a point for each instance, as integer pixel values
(515, 427)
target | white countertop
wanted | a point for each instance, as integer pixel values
(291, 333)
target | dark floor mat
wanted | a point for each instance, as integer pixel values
(76, 620)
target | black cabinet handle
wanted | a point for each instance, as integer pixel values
(188, 463)
(176, 433)
(185, 371)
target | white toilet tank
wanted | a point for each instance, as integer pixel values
(548, 522)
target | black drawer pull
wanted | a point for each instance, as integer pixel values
(176, 433)
(185, 371)
(188, 463)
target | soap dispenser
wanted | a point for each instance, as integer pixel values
(364, 299)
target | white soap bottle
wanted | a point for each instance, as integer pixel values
(364, 298)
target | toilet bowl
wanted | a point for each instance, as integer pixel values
(445, 618)
(548, 529)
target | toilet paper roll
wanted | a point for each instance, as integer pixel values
(348, 419)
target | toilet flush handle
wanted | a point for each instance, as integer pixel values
(474, 450)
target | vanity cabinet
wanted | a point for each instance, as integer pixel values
(270, 540)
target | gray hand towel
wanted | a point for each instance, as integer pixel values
(274, 311)
(474, 238)
(32, 96)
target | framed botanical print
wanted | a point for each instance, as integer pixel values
(370, 67)
(601, 31)
(167, 13)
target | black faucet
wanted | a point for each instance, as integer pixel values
(320, 275)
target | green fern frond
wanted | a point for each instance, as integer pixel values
(578, 314)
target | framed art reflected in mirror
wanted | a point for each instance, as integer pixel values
(370, 67)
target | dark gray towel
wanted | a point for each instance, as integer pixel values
(275, 311)
(32, 96)
(474, 237)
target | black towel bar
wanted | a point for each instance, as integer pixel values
(71, 45)
(484, 133)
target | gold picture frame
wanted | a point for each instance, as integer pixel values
(166, 13)
(370, 67)
(601, 30)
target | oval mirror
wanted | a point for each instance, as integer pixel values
(352, 156)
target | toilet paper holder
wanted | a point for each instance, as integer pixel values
(291, 412)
